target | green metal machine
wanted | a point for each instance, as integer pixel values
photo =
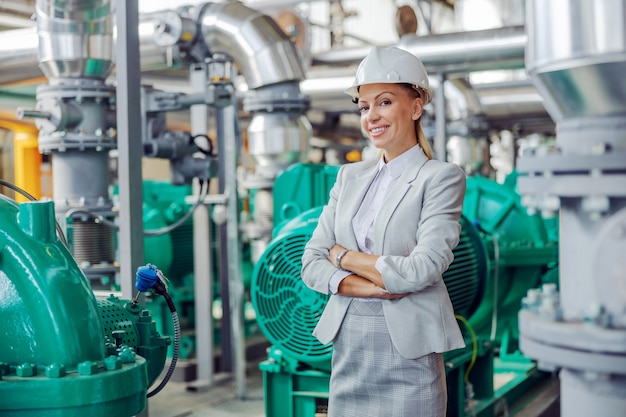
(164, 205)
(502, 253)
(63, 352)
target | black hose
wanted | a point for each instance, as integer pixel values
(176, 322)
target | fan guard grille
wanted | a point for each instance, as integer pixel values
(287, 310)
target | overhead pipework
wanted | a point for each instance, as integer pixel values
(487, 49)
(265, 57)
(576, 57)
(279, 132)
(270, 64)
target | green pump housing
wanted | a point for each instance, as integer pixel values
(63, 352)
(503, 252)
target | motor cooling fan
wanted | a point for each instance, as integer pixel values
(287, 310)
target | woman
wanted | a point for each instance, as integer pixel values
(380, 248)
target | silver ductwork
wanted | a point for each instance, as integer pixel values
(453, 52)
(18, 57)
(489, 49)
(264, 53)
(279, 132)
(238, 31)
(75, 38)
(576, 57)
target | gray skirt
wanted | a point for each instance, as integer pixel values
(370, 378)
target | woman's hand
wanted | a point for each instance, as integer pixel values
(356, 286)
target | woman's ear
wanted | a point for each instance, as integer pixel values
(418, 106)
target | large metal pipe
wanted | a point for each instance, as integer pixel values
(479, 50)
(19, 54)
(18, 57)
(75, 38)
(75, 113)
(264, 53)
(453, 52)
(578, 57)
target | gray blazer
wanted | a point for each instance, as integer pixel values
(417, 228)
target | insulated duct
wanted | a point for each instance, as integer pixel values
(75, 38)
(278, 133)
(266, 57)
(18, 57)
(453, 52)
(489, 49)
(254, 41)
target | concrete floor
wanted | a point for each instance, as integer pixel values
(180, 399)
(184, 399)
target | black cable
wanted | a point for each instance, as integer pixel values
(161, 289)
(17, 189)
(209, 144)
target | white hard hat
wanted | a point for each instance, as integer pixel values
(388, 64)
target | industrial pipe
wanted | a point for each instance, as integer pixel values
(453, 52)
(75, 38)
(489, 49)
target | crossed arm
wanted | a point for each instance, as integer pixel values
(365, 280)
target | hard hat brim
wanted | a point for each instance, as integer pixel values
(425, 94)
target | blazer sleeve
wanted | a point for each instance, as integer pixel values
(437, 234)
(316, 268)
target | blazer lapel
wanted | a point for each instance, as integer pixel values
(354, 195)
(393, 199)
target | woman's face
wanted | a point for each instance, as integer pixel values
(388, 115)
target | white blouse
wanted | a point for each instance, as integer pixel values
(386, 176)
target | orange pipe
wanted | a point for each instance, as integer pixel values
(27, 161)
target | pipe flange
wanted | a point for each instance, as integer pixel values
(73, 88)
(66, 142)
(572, 345)
(283, 97)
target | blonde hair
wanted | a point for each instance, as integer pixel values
(422, 141)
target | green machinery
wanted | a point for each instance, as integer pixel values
(503, 252)
(63, 352)
(164, 205)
